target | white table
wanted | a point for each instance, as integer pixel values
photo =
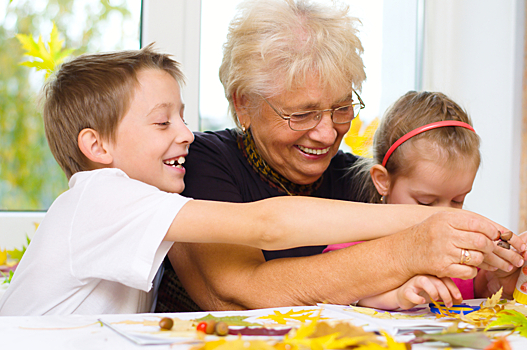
(86, 332)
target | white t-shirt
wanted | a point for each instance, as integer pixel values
(97, 249)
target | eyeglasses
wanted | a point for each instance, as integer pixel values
(306, 120)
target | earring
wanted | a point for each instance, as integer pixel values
(244, 129)
(382, 199)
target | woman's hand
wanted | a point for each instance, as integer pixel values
(488, 283)
(514, 257)
(425, 288)
(454, 243)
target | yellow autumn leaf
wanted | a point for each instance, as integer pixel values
(361, 143)
(223, 344)
(282, 318)
(3, 257)
(391, 344)
(44, 58)
(495, 299)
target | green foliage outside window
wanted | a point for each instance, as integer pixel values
(30, 179)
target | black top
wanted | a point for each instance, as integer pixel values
(217, 170)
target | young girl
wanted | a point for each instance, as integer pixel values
(425, 152)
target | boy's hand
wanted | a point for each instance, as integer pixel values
(425, 288)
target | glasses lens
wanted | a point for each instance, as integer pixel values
(304, 120)
(345, 114)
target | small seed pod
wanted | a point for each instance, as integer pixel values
(506, 235)
(221, 329)
(166, 323)
(211, 325)
(504, 244)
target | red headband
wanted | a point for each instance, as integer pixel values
(423, 129)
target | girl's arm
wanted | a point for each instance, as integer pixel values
(286, 222)
(417, 290)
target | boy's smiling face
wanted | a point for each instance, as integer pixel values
(152, 138)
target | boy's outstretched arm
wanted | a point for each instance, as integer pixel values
(417, 290)
(286, 222)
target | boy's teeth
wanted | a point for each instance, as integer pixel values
(177, 161)
(314, 151)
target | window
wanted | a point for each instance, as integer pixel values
(30, 179)
(389, 34)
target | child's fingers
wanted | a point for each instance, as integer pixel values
(429, 285)
(441, 291)
(411, 298)
(453, 290)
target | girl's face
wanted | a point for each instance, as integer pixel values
(434, 182)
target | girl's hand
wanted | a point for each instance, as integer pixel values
(425, 288)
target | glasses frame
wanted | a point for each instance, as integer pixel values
(320, 112)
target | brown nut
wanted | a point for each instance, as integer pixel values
(221, 329)
(506, 235)
(504, 244)
(166, 323)
(211, 325)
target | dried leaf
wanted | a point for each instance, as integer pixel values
(3, 256)
(230, 320)
(301, 316)
(476, 340)
(342, 328)
(361, 143)
(495, 299)
(223, 344)
(499, 344)
(510, 317)
(16, 254)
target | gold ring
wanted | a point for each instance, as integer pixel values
(465, 257)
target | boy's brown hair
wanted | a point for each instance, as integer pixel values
(94, 91)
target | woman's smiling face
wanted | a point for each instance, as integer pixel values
(300, 156)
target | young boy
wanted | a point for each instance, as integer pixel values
(114, 122)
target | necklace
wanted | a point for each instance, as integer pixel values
(248, 147)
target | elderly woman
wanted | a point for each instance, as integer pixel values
(291, 72)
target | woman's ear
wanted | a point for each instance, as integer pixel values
(241, 105)
(380, 178)
(93, 147)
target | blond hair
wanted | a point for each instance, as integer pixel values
(94, 91)
(275, 45)
(412, 110)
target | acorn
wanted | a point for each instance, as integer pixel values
(211, 325)
(166, 323)
(504, 244)
(221, 329)
(506, 235)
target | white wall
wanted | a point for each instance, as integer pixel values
(174, 25)
(474, 54)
